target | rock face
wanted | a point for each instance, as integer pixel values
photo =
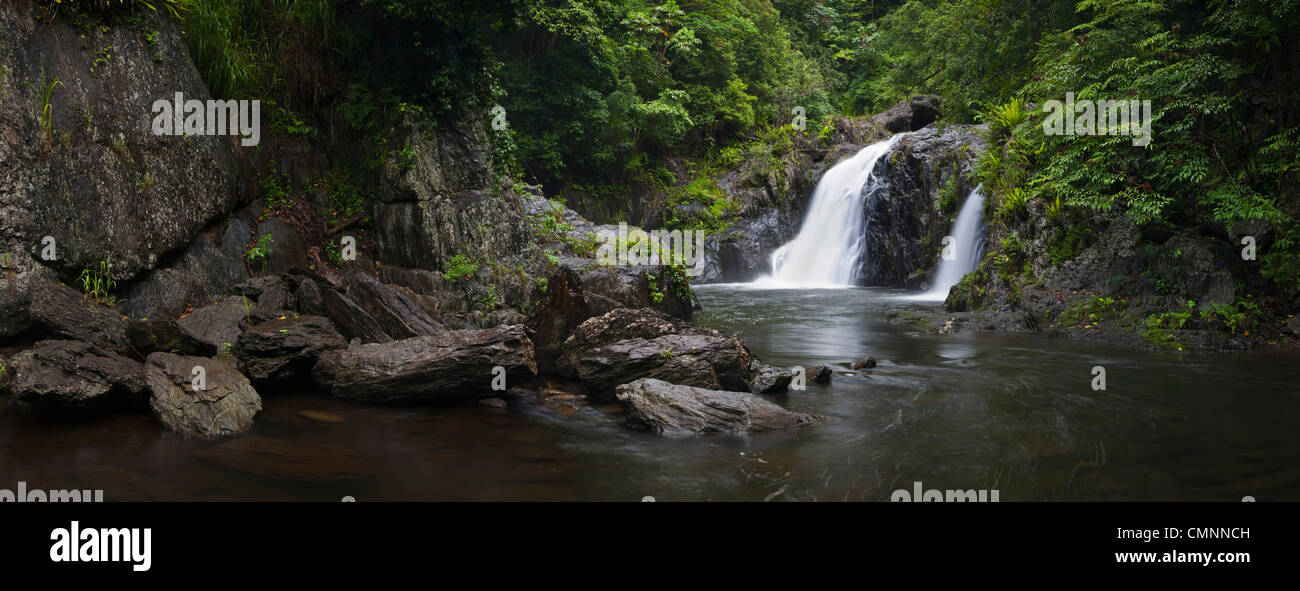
(905, 221)
(279, 350)
(626, 344)
(437, 205)
(561, 310)
(65, 313)
(226, 406)
(453, 365)
(111, 188)
(72, 374)
(670, 409)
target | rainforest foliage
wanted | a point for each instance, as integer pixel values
(598, 93)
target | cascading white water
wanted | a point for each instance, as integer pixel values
(967, 237)
(826, 250)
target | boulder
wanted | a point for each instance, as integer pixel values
(113, 188)
(452, 365)
(217, 325)
(282, 349)
(769, 379)
(73, 374)
(309, 298)
(668, 409)
(702, 360)
(225, 406)
(64, 312)
(625, 344)
(398, 315)
(818, 374)
(351, 320)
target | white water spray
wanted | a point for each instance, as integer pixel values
(967, 243)
(827, 249)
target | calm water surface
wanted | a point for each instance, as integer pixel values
(971, 410)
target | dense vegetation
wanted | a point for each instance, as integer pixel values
(610, 95)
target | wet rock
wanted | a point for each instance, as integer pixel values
(626, 344)
(910, 115)
(864, 363)
(818, 374)
(561, 310)
(279, 350)
(225, 406)
(73, 374)
(702, 360)
(769, 379)
(63, 311)
(452, 365)
(667, 409)
(288, 460)
(218, 325)
(616, 325)
(351, 320)
(398, 315)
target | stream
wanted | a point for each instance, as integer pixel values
(972, 410)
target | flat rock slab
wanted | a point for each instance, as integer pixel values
(453, 365)
(669, 409)
(288, 460)
(218, 325)
(73, 374)
(226, 406)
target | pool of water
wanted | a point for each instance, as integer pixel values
(1014, 413)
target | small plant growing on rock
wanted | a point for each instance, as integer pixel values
(44, 111)
(460, 266)
(97, 284)
(489, 301)
(259, 251)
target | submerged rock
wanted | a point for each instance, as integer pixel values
(288, 460)
(282, 349)
(72, 374)
(663, 408)
(452, 365)
(225, 406)
(864, 363)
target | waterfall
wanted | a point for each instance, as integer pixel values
(967, 243)
(829, 245)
